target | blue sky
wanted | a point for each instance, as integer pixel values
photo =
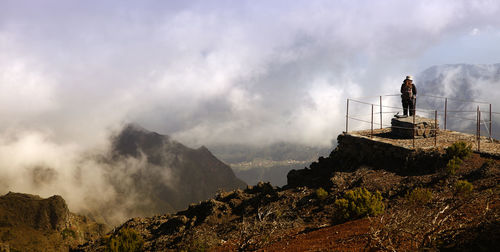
(212, 72)
(476, 47)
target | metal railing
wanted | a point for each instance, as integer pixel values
(446, 114)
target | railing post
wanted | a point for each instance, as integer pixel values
(414, 129)
(414, 105)
(478, 129)
(435, 127)
(490, 121)
(371, 132)
(381, 112)
(445, 111)
(347, 118)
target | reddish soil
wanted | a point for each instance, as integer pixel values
(349, 236)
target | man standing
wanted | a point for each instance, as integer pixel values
(408, 96)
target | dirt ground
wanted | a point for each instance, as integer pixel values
(350, 236)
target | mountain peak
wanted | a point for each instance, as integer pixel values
(133, 139)
(134, 127)
(203, 148)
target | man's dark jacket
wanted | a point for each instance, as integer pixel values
(403, 89)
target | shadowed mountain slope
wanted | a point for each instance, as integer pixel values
(165, 175)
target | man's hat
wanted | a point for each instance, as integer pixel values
(409, 77)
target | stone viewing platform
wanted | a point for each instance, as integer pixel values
(383, 150)
(444, 139)
(404, 127)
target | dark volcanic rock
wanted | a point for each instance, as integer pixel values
(31, 223)
(353, 152)
(31, 210)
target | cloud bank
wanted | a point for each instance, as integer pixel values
(211, 72)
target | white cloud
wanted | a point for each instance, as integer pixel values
(474, 32)
(207, 72)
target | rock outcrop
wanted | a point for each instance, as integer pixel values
(18, 209)
(354, 151)
(31, 223)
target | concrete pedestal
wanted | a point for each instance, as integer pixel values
(403, 127)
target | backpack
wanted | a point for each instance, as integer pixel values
(407, 91)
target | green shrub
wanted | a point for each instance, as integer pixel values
(488, 163)
(321, 193)
(198, 246)
(419, 196)
(201, 243)
(463, 187)
(68, 233)
(127, 240)
(359, 203)
(453, 165)
(459, 149)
